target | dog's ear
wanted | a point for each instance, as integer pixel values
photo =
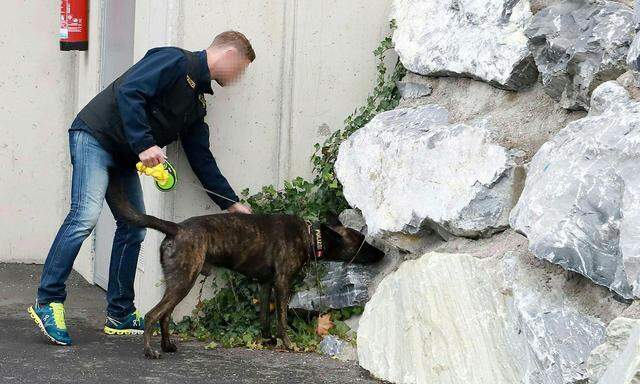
(329, 230)
(344, 234)
(332, 219)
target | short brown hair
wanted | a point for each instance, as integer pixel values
(237, 40)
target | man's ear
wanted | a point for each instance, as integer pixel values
(231, 51)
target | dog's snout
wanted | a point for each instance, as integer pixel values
(371, 254)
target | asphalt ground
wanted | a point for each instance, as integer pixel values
(27, 357)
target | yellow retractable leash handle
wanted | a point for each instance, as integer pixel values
(166, 178)
(164, 175)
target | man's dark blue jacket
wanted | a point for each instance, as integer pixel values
(157, 74)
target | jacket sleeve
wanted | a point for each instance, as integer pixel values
(195, 142)
(148, 78)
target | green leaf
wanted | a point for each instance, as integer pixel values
(211, 345)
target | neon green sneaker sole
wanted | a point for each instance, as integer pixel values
(113, 331)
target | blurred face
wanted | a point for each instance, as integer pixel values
(230, 67)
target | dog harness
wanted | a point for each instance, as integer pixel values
(315, 248)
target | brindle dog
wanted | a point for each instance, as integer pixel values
(271, 249)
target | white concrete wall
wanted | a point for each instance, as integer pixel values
(41, 90)
(314, 66)
(36, 107)
(334, 70)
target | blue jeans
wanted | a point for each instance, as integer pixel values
(88, 187)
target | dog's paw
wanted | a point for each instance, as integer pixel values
(283, 343)
(289, 345)
(151, 353)
(168, 347)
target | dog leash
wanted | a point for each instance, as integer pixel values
(357, 252)
(213, 193)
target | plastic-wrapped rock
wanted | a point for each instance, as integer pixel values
(580, 207)
(482, 39)
(341, 285)
(577, 45)
(337, 348)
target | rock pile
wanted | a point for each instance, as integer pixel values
(514, 219)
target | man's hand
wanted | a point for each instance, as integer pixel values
(152, 156)
(239, 208)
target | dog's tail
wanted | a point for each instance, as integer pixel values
(120, 202)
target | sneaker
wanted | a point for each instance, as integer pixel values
(50, 319)
(130, 325)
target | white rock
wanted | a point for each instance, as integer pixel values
(483, 39)
(436, 320)
(452, 318)
(580, 207)
(408, 168)
(617, 360)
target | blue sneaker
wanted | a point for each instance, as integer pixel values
(50, 319)
(130, 325)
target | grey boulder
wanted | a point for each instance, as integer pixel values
(578, 45)
(413, 89)
(633, 57)
(409, 168)
(482, 39)
(580, 207)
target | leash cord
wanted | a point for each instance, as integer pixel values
(358, 251)
(214, 193)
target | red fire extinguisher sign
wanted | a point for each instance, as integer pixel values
(74, 26)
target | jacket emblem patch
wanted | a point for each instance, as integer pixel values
(191, 82)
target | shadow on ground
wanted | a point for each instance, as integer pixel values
(25, 356)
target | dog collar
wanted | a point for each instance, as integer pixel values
(316, 247)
